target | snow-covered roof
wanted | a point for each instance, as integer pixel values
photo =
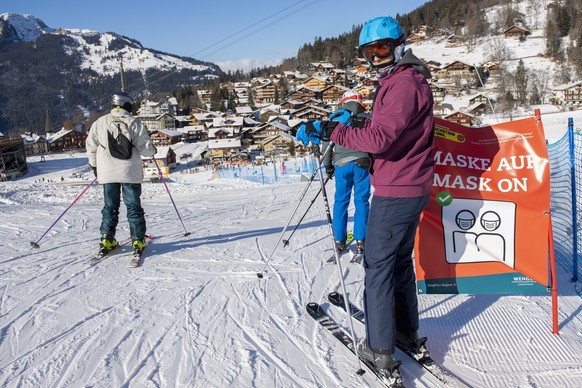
(170, 132)
(223, 143)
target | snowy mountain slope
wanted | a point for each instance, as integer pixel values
(196, 315)
(100, 52)
(22, 27)
(69, 74)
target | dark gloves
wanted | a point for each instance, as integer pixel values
(94, 170)
(315, 131)
(329, 171)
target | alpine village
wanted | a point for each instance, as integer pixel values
(245, 118)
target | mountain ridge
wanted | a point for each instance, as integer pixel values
(70, 72)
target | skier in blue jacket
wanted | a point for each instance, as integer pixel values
(350, 169)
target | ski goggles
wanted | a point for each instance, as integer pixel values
(380, 49)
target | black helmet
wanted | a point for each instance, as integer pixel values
(123, 100)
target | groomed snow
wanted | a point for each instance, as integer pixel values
(196, 314)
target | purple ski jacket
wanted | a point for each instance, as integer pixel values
(399, 136)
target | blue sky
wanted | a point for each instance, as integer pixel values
(232, 34)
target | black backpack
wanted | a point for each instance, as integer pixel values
(120, 147)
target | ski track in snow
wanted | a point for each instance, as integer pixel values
(196, 315)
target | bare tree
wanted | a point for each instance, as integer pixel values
(498, 51)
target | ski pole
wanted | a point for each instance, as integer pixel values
(286, 242)
(35, 244)
(260, 274)
(186, 233)
(339, 264)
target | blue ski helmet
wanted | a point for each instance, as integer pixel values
(383, 27)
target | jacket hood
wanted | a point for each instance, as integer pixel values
(409, 59)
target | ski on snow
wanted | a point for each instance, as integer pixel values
(99, 257)
(427, 363)
(319, 315)
(137, 258)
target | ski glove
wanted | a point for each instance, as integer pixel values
(341, 116)
(315, 131)
(94, 171)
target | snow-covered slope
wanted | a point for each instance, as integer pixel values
(196, 315)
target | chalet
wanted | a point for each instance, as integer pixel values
(181, 121)
(267, 130)
(358, 62)
(269, 92)
(65, 140)
(166, 105)
(205, 96)
(165, 159)
(236, 123)
(12, 159)
(434, 67)
(454, 40)
(291, 75)
(366, 92)
(323, 67)
(568, 95)
(457, 69)
(205, 118)
(221, 133)
(478, 98)
(304, 93)
(245, 111)
(291, 104)
(363, 69)
(194, 133)
(223, 149)
(492, 68)
(370, 82)
(165, 137)
(35, 144)
(154, 123)
(516, 32)
(317, 82)
(442, 110)
(311, 112)
(333, 93)
(277, 145)
(478, 108)
(440, 33)
(338, 73)
(462, 118)
(414, 38)
(439, 92)
(265, 114)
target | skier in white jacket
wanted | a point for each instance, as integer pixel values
(117, 164)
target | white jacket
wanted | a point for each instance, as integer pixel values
(110, 169)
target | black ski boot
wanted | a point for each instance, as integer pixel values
(388, 368)
(360, 247)
(414, 346)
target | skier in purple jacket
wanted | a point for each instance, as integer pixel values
(399, 138)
